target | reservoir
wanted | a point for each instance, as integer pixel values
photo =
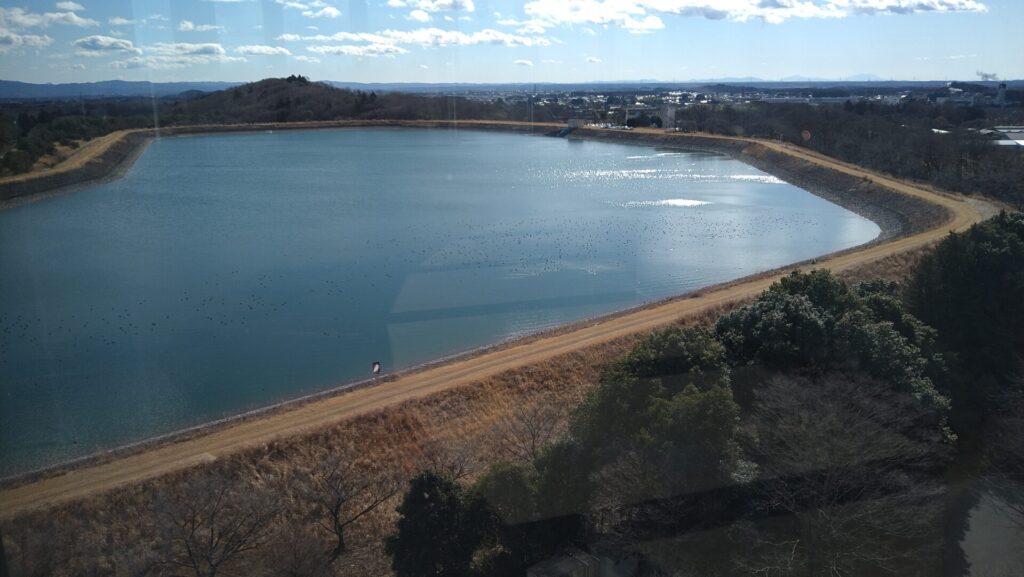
(227, 272)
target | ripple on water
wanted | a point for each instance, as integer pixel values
(671, 202)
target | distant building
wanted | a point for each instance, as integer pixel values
(964, 100)
(1005, 135)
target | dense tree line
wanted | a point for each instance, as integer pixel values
(29, 132)
(897, 139)
(971, 289)
(808, 433)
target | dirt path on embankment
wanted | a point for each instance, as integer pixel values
(96, 478)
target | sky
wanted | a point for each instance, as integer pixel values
(482, 41)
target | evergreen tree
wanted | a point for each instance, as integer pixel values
(439, 530)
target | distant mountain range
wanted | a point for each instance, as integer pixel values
(10, 89)
(14, 90)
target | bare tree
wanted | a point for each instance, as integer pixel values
(846, 466)
(450, 459)
(294, 551)
(341, 492)
(523, 434)
(209, 521)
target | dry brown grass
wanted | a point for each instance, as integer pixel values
(895, 267)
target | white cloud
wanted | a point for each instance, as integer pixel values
(593, 60)
(261, 50)
(309, 9)
(419, 16)
(644, 15)
(130, 63)
(338, 37)
(70, 6)
(909, 6)
(390, 43)
(118, 21)
(424, 67)
(326, 12)
(456, 5)
(425, 37)
(523, 62)
(104, 45)
(10, 40)
(21, 18)
(439, 5)
(435, 37)
(531, 26)
(187, 49)
(169, 56)
(359, 50)
(188, 26)
(648, 24)
(310, 59)
(435, 5)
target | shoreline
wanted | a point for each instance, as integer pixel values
(715, 295)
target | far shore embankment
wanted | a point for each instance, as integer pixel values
(921, 216)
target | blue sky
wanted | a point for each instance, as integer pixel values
(499, 41)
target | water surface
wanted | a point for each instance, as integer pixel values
(226, 272)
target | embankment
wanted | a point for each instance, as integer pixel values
(103, 159)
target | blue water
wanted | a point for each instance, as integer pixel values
(226, 272)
